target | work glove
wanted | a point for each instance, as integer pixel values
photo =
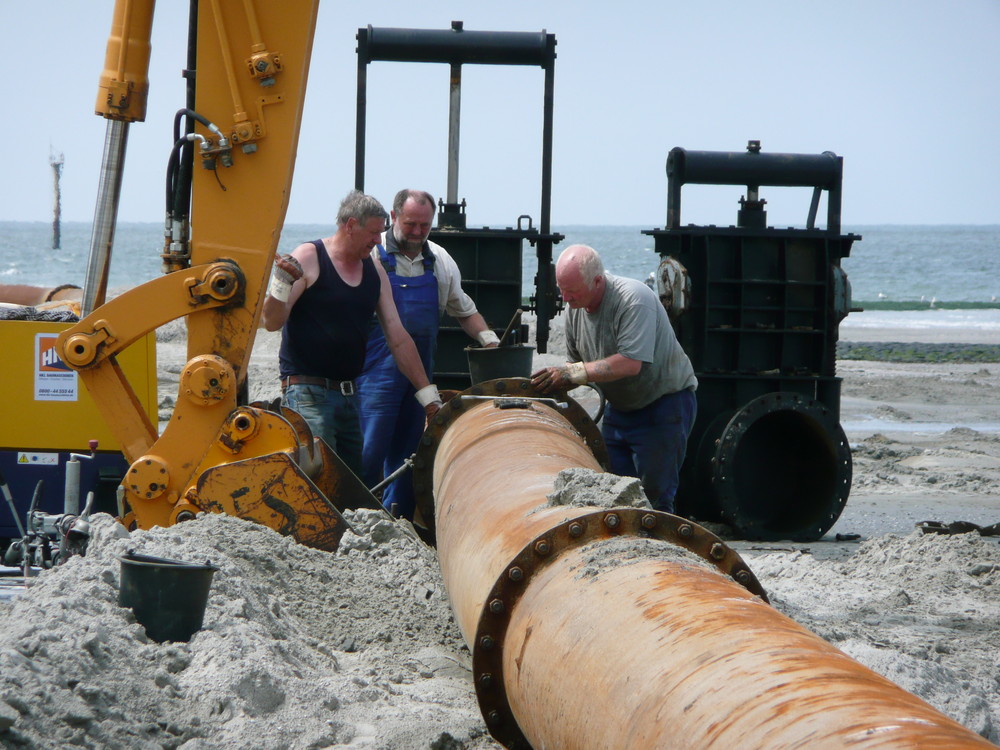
(488, 339)
(287, 270)
(430, 399)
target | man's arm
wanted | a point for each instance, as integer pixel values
(456, 302)
(292, 275)
(475, 326)
(403, 350)
(570, 375)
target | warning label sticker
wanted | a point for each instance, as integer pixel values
(38, 459)
(54, 381)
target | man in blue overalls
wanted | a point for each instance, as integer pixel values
(425, 282)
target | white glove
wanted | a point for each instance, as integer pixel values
(428, 395)
(287, 270)
(577, 372)
(487, 337)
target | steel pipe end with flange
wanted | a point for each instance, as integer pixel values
(508, 390)
(777, 468)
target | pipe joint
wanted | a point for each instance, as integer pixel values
(543, 551)
(511, 394)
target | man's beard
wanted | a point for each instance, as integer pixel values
(408, 245)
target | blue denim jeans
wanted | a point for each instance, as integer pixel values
(650, 443)
(332, 416)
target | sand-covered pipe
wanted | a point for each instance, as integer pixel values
(621, 627)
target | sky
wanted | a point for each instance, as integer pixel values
(904, 90)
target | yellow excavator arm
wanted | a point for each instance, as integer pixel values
(215, 454)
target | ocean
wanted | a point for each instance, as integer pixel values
(901, 276)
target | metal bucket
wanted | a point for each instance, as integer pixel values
(168, 597)
(499, 362)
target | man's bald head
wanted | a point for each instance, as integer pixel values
(580, 276)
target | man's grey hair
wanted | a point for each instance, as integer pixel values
(420, 196)
(360, 207)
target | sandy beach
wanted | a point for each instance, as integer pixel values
(303, 649)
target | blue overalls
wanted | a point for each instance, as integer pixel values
(391, 418)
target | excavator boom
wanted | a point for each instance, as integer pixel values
(216, 453)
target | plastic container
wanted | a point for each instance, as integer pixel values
(168, 597)
(499, 362)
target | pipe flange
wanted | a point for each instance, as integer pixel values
(423, 463)
(782, 468)
(491, 632)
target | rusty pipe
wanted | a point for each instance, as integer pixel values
(624, 627)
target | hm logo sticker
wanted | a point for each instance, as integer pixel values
(48, 356)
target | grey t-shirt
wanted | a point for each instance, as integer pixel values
(631, 321)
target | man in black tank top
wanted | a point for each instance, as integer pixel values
(322, 297)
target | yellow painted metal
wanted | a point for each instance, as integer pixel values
(124, 83)
(253, 59)
(605, 645)
(273, 490)
(243, 221)
(32, 424)
(92, 346)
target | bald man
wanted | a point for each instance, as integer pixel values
(619, 336)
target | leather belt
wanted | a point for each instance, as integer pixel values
(346, 387)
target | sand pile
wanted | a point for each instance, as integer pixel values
(299, 649)
(922, 610)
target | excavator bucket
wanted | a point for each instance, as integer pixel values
(298, 492)
(340, 484)
(273, 490)
(328, 471)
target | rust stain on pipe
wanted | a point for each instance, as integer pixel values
(621, 639)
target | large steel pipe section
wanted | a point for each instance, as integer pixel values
(623, 627)
(777, 468)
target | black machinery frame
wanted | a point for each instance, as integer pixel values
(767, 454)
(489, 259)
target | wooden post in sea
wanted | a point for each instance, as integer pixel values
(56, 162)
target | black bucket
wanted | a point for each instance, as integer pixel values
(499, 362)
(168, 597)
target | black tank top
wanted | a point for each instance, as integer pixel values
(327, 330)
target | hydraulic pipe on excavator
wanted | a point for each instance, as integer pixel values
(121, 99)
(597, 627)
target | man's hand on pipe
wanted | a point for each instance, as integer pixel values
(550, 379)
